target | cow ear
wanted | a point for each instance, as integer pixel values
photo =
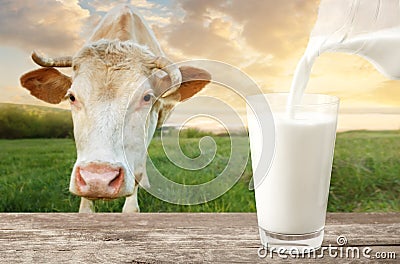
(193, 81)
(47, 84)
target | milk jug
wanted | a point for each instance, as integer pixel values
(368, 28)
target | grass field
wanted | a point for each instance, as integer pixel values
(34, 176)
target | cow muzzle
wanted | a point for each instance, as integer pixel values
(99, 180)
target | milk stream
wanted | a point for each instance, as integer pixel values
(381, 48)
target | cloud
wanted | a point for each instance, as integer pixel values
(195, 39)
(199, 34)
(60, 27)
(107, 5)
(49, 25)
(276, 27)
(153, 13)
(268, 27)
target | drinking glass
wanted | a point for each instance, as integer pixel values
(292, 195)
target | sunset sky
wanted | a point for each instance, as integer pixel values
(265, 39)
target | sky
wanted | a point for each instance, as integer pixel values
(264, 39)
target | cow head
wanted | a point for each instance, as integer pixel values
(113, 92)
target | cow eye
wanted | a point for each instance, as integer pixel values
(147, 97)
(72, 98)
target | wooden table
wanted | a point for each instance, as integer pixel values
(178, 237)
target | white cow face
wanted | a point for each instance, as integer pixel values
(116, 106)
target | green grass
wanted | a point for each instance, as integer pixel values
(34, 176)
(366, 172)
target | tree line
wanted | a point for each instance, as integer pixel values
(24, 122)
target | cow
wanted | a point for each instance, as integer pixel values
(121, 79)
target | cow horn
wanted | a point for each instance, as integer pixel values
(173, 72)
(51, 62)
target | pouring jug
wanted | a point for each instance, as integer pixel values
(368, 28)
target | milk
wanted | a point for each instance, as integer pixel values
(292, 198)
(381, 48)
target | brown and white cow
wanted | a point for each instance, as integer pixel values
(116, 62)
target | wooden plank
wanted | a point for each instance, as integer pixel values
(173, 237)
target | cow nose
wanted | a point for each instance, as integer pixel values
(99, 180)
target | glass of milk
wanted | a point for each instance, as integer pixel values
(292, 194)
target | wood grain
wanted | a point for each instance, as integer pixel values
(175, 238)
